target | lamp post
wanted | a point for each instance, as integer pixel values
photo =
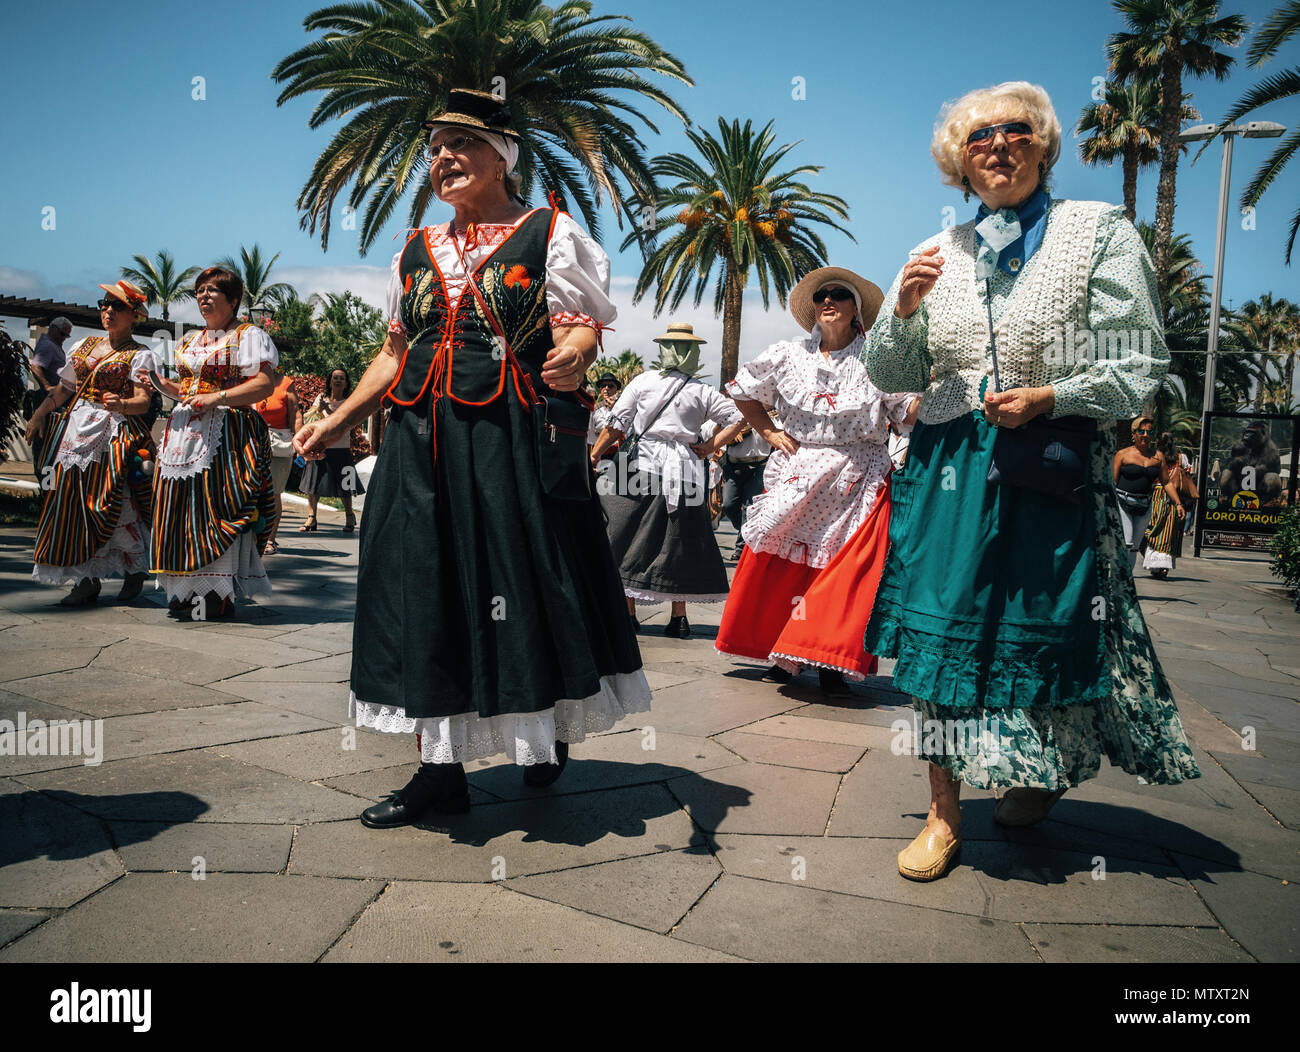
(1201, 133)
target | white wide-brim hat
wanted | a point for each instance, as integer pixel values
(805, 311)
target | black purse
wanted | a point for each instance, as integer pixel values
(1048, 456)
(559, 426)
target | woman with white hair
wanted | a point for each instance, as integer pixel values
(490, 616)
(1007, 598)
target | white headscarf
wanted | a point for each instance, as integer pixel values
(507, 148)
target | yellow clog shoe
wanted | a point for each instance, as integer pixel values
(928, 856)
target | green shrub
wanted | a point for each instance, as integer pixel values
(1286, 551)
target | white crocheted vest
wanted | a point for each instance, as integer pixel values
(1049, 300)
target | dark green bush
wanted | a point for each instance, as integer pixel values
(1286, 551)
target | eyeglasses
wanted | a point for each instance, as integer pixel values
(838, 295)
(1014, 133)
(458, 144)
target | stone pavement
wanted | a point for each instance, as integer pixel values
(741, 822)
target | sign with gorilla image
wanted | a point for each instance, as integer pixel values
(1248, 475)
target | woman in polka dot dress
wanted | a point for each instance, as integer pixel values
(815, 539)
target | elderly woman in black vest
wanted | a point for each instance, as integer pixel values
(489, 616)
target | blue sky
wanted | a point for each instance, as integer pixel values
(100, 124)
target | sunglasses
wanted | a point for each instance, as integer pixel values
(838, 295)
(112, 305)
(1143, 431)
(1015, 133)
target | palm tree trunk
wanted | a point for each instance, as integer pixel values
(731, 300)
(1131, 181)
(1289, 392)
(1263, 376)
(1171, 113)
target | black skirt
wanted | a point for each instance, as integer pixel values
(335, 476)
(664, 556)
(475, 592)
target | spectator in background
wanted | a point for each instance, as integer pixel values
(284, 419)
(48, 357)
(335, 475)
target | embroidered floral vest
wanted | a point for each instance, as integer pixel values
(218, 368)
(114, 374)
(452, 348)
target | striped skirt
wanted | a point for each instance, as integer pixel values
(210, 527)
(95, 518)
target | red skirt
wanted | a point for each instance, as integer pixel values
(793, 615)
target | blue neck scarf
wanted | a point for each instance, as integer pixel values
(1007, 238)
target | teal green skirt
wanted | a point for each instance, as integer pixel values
(1012, 615)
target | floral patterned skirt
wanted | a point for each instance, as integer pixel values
(1029, 714)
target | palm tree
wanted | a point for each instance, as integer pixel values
(388, 65)
(1273, 324)
(158, 279)
(735, 213)
(260, 292)
(627, 365)
(1125, 124)
(1282, 24)
(1170, 38)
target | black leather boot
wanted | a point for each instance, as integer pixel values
(440, 788)
(678, 628)
(540, 775)
(832, 683)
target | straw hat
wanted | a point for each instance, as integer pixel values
(805, 311)
(679, 330)
(129, 294)
(478, 110)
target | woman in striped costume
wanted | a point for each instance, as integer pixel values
(214, 500)
(95, 517)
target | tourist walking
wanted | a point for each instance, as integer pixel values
(98, 459)
(47, 362)
(815, 540)
(1162, 542)
(214, 505)
(489, 615)
(1137, 472)
(656, 496)
(743, 463)
(1007, 598)
(335, 474)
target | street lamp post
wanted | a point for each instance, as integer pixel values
(1201, 133)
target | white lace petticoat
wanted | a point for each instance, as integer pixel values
(524, 737)
(642, 595)
(238, 567)
(126, 551)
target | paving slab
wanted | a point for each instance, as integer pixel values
(336, 668)
(329, 637)
(710, 706)
(1130, 944)
(489, 923)
(610, 760)
(227, 917)
(1262, 914)
(193, 786)
(25, 662)
(887, 795)
(1283, 804)
(61, 634)
(193, 635)
(51, 854)
(758, 798)
(171, 664)
(12, 704)
(802, 728)
(792, 752)
(651, 891)
(377, 784)
(764, 921)
(219, 847)
(106, 692)
(159, 732)
(501, 840)
(325, 701)
(14, 923)
(319, 755)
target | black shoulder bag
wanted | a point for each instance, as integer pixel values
(1050, 456)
